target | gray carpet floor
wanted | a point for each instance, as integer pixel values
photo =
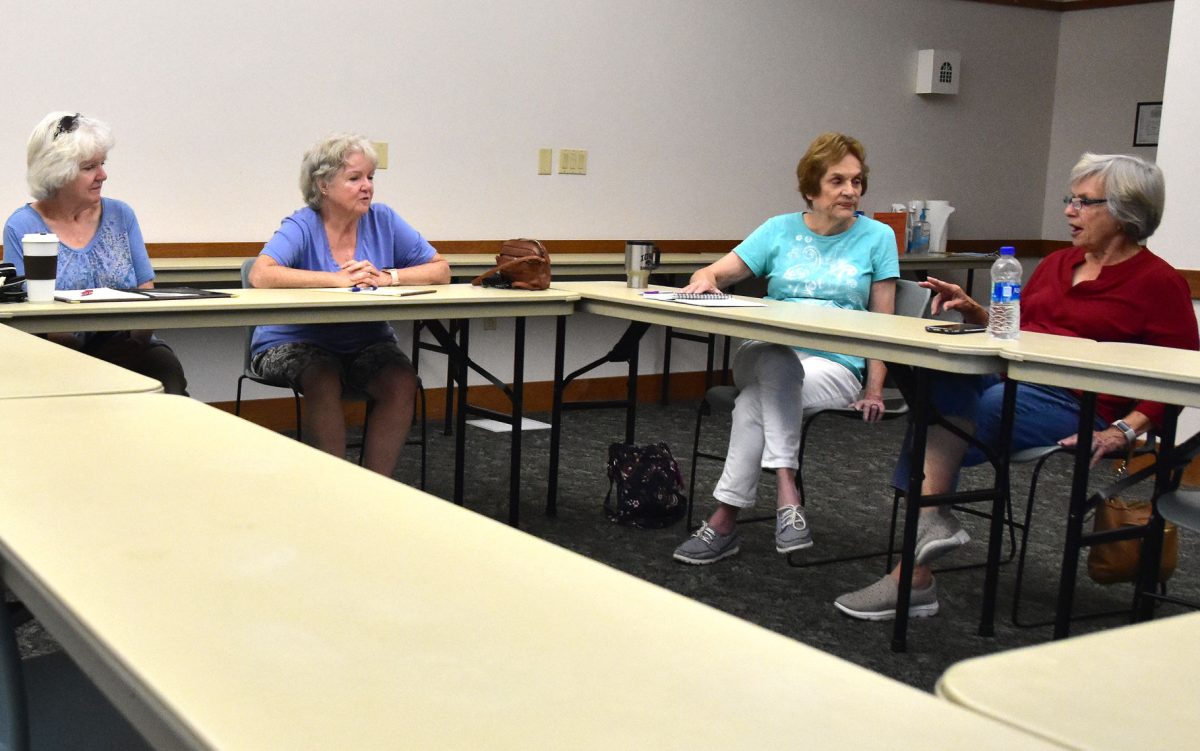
(849, 501)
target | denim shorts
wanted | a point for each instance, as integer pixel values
(286, 363)
(1042, 416)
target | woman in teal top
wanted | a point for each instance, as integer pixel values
(829, 256)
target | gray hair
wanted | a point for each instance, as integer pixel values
(1134, 188)
(58, 145)
(324, 159)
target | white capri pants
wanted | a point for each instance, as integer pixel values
(778, 387)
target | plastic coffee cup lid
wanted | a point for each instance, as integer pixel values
(33, 237)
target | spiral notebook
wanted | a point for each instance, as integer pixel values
(704, 299)
(108, 294)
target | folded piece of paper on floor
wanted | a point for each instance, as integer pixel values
(496, 426)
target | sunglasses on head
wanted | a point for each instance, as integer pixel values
(67, 124)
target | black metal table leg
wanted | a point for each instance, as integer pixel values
(460, 417)
(14, 710)
(518, 403)
(560, 336)
(991, 577)
(1075, 516)
(912, 507)
(1152, 543)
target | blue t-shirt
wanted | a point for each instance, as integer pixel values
(115, 257)
(829, 270)
(384, 239)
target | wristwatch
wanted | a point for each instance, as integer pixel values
(1130, 433)
(395, 277)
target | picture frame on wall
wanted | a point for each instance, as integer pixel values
(1146, 124)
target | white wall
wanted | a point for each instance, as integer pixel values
(1108, 60)
(694, 115)
(1176, 237)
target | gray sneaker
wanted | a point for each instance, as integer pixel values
(938, 534)
(878, 601)
(706, 545)
(791, 530)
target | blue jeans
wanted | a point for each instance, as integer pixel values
(1043, 415)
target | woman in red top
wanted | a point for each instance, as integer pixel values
(1109, 287)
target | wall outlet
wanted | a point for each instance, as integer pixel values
(381, 152)
(489, 324)
(545, 161)
(572, 162)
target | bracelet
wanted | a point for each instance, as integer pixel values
(395, 277)
(1127, 430)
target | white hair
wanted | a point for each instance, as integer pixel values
(328, 156)
(1135, 190)
(58, 145)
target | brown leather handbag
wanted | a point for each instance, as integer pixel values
(1114, 562)
(521, 264)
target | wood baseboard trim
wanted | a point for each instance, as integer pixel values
(1064, 6)
(446, 247)
(279, 414)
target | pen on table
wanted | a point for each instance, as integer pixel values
(418, 292)
(360, 289)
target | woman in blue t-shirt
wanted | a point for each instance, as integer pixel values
(99, 241)
(829, 256)
(341, 239)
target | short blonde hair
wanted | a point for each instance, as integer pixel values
(825, 151)
(323, 160)
(58, 145)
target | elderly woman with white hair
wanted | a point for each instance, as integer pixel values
(99, 241)
(342, 239)
(1107, 286)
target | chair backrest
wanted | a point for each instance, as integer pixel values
(246, 264)
(912, 299)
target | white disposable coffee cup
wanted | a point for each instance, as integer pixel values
(41, 265)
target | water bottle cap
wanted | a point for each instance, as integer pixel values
(1008, 250)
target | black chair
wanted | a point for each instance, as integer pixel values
(1039, 455)
(248, 373)
(911, 300)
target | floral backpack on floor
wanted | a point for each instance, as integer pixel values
(648, 484)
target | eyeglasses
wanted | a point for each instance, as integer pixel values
(67, 124)
(1077, 203)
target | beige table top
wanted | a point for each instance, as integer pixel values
(267, 306)
(1125, 688)
(33, 367)
(898, 339)
(230, 588)
(227, 269)
(1134, 370)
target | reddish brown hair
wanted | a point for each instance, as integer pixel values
(825, 151)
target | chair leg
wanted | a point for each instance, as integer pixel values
(299, 422)
(1016, 606)
(700, 412)
(237, 404)
(424, 432)
(362, 447)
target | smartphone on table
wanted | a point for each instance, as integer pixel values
(957, 328)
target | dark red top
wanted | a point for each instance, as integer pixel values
(1142, 300)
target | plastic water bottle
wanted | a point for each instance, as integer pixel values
(1004, 316)
(919, 244)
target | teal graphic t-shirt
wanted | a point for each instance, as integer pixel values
(829, 270)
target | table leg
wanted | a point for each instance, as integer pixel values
(14, 712)
(462, 368)
(1152, 543)
(912, 506)
(999, 504)
(518, 403)
(1075, 516)
(560, 337)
